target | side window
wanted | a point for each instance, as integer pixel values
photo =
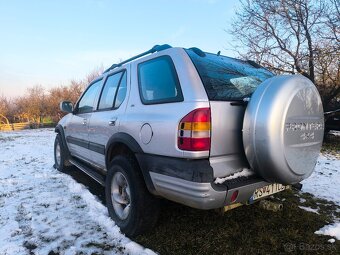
(109, 91)
(87, 102)
(121, 93)
(158, 81)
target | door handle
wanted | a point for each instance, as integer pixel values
(84, 121)
(112, 122)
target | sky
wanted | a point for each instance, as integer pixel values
(51, 42)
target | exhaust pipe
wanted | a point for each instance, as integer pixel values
(297, 186)
(270, 206)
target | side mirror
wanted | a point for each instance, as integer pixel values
(66, 106)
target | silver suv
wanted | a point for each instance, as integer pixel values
(200, 129)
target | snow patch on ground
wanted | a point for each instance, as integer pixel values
(324, 183)
(42, 210)
(308, 209)
(302, 200)
(332, 240)
(330, 230)
(333, 132)
(244, 173)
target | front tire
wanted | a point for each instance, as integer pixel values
(129, 202)
(60, 157)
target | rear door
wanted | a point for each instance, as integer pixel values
(228, 83)
(106, 119)
(77, 129)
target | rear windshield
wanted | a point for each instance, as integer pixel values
(228, 79)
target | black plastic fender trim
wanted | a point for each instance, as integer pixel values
(194, 170)
(125, 139)
(133, 145)
(59, 129)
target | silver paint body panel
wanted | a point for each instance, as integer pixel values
(270, 140)
(226, 154)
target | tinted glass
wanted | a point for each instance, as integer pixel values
(227, 79)
(121, 93)
(158, 81)
(87, 102)
(109, 91)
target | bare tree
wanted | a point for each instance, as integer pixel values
(62, 93)
(4, 105)
(70, 92)
(33, 104)
(293, 36)
(20, 112)
(93, 74)
(38, 103)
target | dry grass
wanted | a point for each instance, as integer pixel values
(331, 145)
(244, 230)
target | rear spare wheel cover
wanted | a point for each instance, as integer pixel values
(283, 129)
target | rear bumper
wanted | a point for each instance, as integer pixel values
(193, 194)
(203, 195)
(191, 182)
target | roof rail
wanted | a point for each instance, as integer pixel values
(155, 48)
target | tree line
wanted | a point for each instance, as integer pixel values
(293, 37)
(286, 36)
(39, 103)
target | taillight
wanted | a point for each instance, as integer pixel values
(194, 131)
(234, 196)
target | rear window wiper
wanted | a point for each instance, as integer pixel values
(242, 102)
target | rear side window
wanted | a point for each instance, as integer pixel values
(158, 81)
(228, 79)
(87, 102)
(109, 91)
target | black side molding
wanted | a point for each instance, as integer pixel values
(96, 147)
(77, 141)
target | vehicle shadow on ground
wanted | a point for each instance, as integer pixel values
(245, 230)
(94, 187)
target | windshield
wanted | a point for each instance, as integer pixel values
(228, 79)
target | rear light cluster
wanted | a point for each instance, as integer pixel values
(234, 196)
(194, 130)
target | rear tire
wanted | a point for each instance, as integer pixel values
(60, 155)
(129, 202)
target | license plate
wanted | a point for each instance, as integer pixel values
(268, 190)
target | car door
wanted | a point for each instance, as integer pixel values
(105, 121)
(77, 129)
